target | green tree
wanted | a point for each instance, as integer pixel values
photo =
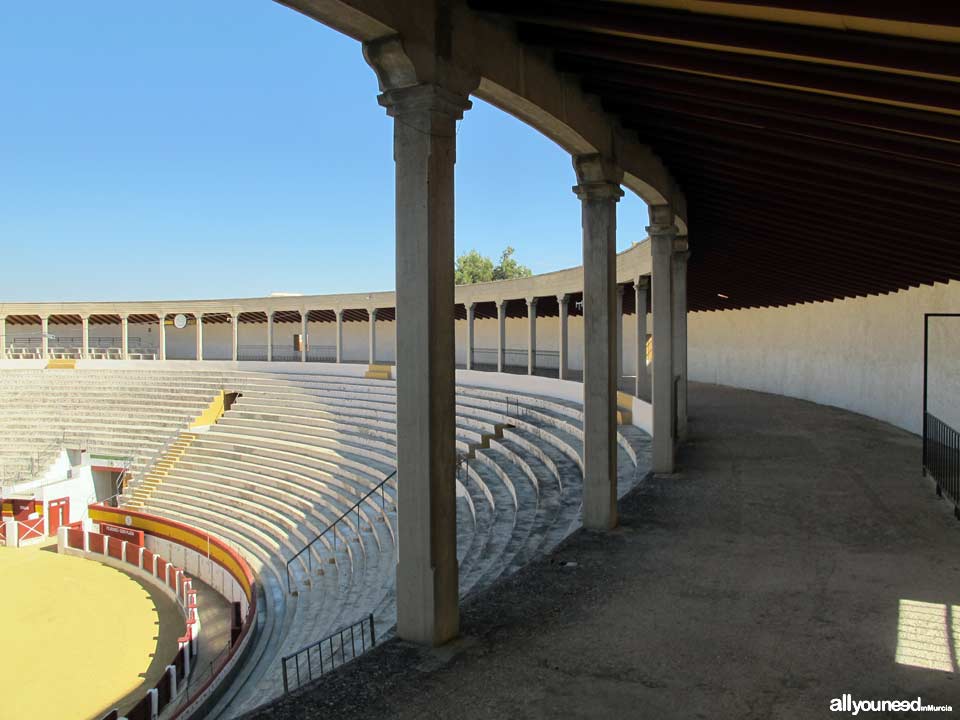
(472, 267)
(510, 268)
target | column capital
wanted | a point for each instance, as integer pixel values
(304, 314)
(598, 178)
(234, 315)
(501, 306)
(270, 314)
(680, 245)
(372, 312)
(123, 316)
(425, 97)
(661, 219)
(563, 298)
(339, 313)
(84, 316)
(531, 302)
(198, 315)
(470, 307)
(641, 282)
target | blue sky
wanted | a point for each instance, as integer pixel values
(233, 148)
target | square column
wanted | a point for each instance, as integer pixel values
(599, 190)
(501, 334)
(3, 337)
(619, 334)
(680, 255)
(85, 336)
(471, 317)
(304, 326)
(531, 335)
(44, 332)
(234, 331)
(563, 345)
(339, 336)
(162, 337)
(642, 389)
(424, 144)
(124, 337)
(662, 234)
(372, 344)
(270, 336)
(199, 319)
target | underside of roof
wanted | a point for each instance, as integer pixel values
(817, 142)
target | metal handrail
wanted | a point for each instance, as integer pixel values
(347, 641)
(137, 477)
(355, 507)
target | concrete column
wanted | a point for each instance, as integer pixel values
(234, 333)
(531, 335)
(304, 326)
(270, 336)
(162, 337)
(619, 334)
(599, 190)
(3, 337)
(662, 234)
(84, 336)
(199, 319)
(44, 330)
(680, 255)
(124, 337)
(339, 336)
(372, 344)
(471, 317)
(642, 389)
(425, 118)
(563, 301)
(501, 334)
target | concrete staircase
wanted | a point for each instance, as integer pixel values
(379, 372)
(154, 476)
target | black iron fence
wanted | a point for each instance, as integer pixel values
(312, 661)
(941, 458)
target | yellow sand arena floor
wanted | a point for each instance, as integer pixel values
(79, 637)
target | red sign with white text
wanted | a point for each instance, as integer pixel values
(123, 533)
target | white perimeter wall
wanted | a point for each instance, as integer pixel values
(862, 354)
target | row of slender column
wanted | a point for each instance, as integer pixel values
(642, 381)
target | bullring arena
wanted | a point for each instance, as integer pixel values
(714, 475)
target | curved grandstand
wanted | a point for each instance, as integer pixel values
(306, 455)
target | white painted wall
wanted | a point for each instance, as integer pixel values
(861, 354)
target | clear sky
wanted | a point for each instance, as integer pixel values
(233, 148)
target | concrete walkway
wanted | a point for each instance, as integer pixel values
(798, 555)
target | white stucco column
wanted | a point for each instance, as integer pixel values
(3, 337)
(425, 118)
(234, 335)
(304, 328)
(162, 337)
(642, 389)
(680, 255)
(84, 336)
(270, 336)
(199, 318)
(44, 330)
(124, 336)
(599, 190)
(501, 334)
(372, 344)
(531, 335)
(662, 234)
(563, 302)
(471, 317)
(340, 335)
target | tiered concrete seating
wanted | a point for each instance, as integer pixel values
(297, 451)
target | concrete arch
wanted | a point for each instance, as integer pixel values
(449, 43)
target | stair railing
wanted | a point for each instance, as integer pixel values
(355, 508)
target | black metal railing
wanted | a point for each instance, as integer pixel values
(941, 458)
(331, 652)
(252, 352)
(321, 353)
(371, 494)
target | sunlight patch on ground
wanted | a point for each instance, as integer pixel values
(928, 635)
